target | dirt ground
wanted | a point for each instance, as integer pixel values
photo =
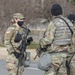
(3, 53)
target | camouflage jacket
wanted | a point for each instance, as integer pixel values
(57, 31)
(10, 36)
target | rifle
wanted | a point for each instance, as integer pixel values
(39, 51)
(23, 46)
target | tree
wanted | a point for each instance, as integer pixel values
(73, 2)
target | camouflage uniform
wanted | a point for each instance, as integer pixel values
(11, 60)
(71, 17)
(73, 59)
(59, 39)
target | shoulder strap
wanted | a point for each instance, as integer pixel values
(67, 25)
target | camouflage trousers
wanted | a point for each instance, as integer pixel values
(72, 64)
(12, 65)
(58, 66)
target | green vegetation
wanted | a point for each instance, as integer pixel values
(73, 2)
(33, 45)
(1, 45)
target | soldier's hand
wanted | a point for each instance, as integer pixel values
(21, 56)
(29, 40)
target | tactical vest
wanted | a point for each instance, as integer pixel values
(63, 34)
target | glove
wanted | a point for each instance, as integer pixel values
(29, 40)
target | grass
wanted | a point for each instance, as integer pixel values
(1, 45)
(33, 45)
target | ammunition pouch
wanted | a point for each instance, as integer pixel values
(27, 60)
(29, 40)
(18, 38)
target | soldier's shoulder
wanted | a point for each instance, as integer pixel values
(10, 29)
(51, 25)
(68, 21)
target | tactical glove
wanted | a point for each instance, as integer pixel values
(29, 40)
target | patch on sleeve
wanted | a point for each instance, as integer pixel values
(9, 33)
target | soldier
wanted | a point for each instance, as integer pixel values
(58, 40)
(12, 46)
(71, 17)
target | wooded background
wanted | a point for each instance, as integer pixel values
(31, 9)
